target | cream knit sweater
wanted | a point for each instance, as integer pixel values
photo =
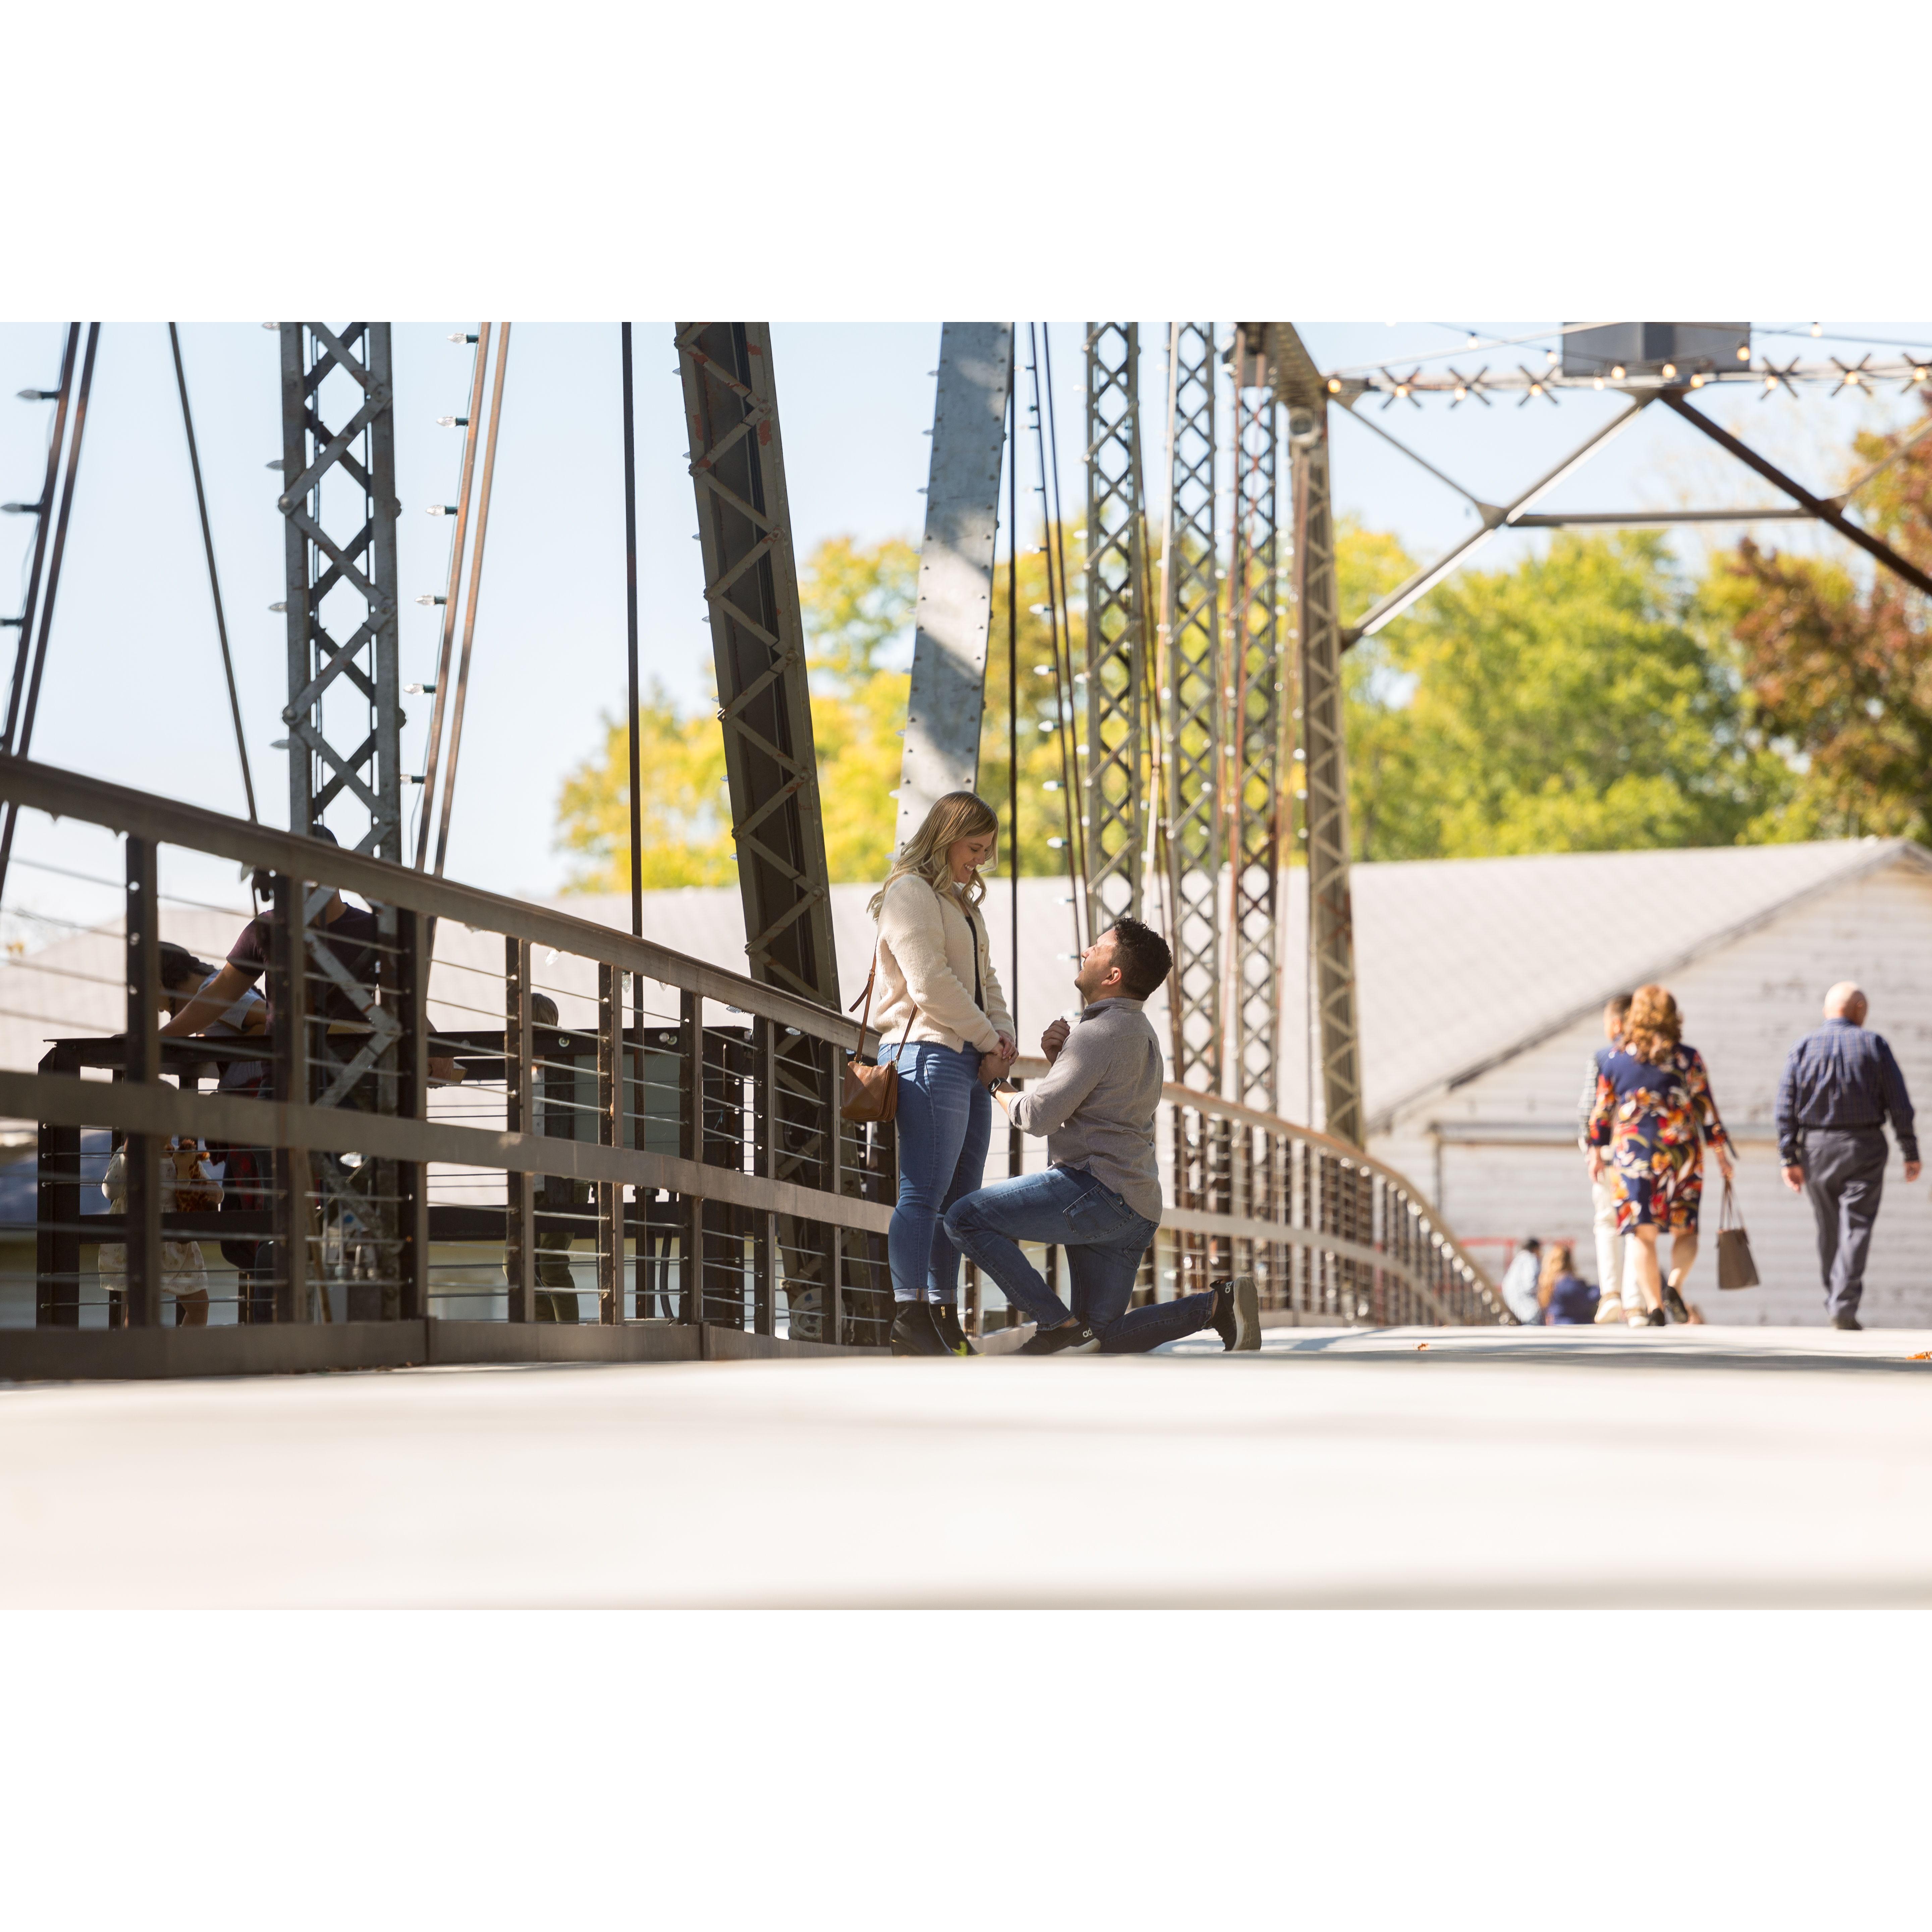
(926, 942)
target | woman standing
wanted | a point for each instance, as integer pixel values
(1653, 1111)
(945, 1019)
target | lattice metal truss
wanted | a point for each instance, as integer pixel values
(751, 587)
(1257, 707)
(344, 714)
(1325, 810)
(1191, 622)
(1113, 792)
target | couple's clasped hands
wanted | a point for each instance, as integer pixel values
(995, 1066)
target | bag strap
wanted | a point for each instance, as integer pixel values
(865, 1017)
(1728, 1217)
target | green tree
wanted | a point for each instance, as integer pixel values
(1571, 703)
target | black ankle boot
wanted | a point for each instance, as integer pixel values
(913, 1332)
(945, 1320)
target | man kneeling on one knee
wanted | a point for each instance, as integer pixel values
(1099, 1198)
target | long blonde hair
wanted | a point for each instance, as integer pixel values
(1653, 1026)
(959, 815)
(1558, 1259)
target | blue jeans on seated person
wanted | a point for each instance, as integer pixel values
(1104, 1240)
(945, 1123)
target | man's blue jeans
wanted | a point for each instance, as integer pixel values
(945, 1122)
(1104, 1238)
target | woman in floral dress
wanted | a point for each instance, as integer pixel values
(1653, 1111)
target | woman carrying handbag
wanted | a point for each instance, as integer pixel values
(941, 1006)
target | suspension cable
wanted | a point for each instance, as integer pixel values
(1055, 537)
(1013, 670)
(44, 511)
(471, 429)
(214, 578)
(631, 666)
(59, 550)
(470, 601)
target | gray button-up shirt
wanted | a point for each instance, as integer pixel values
(1097, 1104)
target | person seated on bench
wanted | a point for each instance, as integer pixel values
(1099, 1198)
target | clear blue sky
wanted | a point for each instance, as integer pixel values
(134, 690)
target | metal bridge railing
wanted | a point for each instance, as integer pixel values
(482, 1129)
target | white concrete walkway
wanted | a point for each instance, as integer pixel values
(1687, 1465)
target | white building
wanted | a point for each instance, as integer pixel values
(1483, 983)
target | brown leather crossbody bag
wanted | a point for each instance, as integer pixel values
(871, 1092)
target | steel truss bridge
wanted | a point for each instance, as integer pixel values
(661, 1127)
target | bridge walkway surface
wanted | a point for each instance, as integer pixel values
(1400, 1467)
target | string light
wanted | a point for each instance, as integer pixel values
(1616, 372)
(1669, 371)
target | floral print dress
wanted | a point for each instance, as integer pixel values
(1654, 1120)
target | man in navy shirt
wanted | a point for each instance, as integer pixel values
(1840, 1085)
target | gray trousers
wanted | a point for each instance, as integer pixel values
(1844, 1175)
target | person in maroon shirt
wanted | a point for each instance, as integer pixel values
(351, 934)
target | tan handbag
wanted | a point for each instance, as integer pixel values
(871, 1092)
(1736, 1268)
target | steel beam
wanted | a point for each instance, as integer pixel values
(1826, 510)
(1254, 608)
(955, 567)
(1191, 687)
(344, 711)
(1113, 791)
(757, 642)
(1324, 827)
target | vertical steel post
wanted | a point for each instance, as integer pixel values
(141, 1160)
(1255, 667)
(758, 642)
(519, 1223)
(609, 1133)
(691, 1148)
(1112, 791)
(412, 949)
(1299, 386)
(955, 567)
(1191, 627)
(288, 998)
(339, 499)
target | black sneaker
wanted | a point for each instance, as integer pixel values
(945, 1319)
(1071, 1338)
(914, 1332)
(1846, 1321)
(1674, 1302)
(1237, 1318)
(1658, 1319)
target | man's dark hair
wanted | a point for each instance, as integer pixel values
(1142, 956)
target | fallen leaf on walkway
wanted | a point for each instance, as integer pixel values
(1924, 1355)
(1421, 1346)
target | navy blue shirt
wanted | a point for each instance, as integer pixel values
(1842, 1077)
(1572, 1304)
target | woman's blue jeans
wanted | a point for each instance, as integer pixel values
(945, 1122)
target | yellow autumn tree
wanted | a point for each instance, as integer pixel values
(857, 601)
